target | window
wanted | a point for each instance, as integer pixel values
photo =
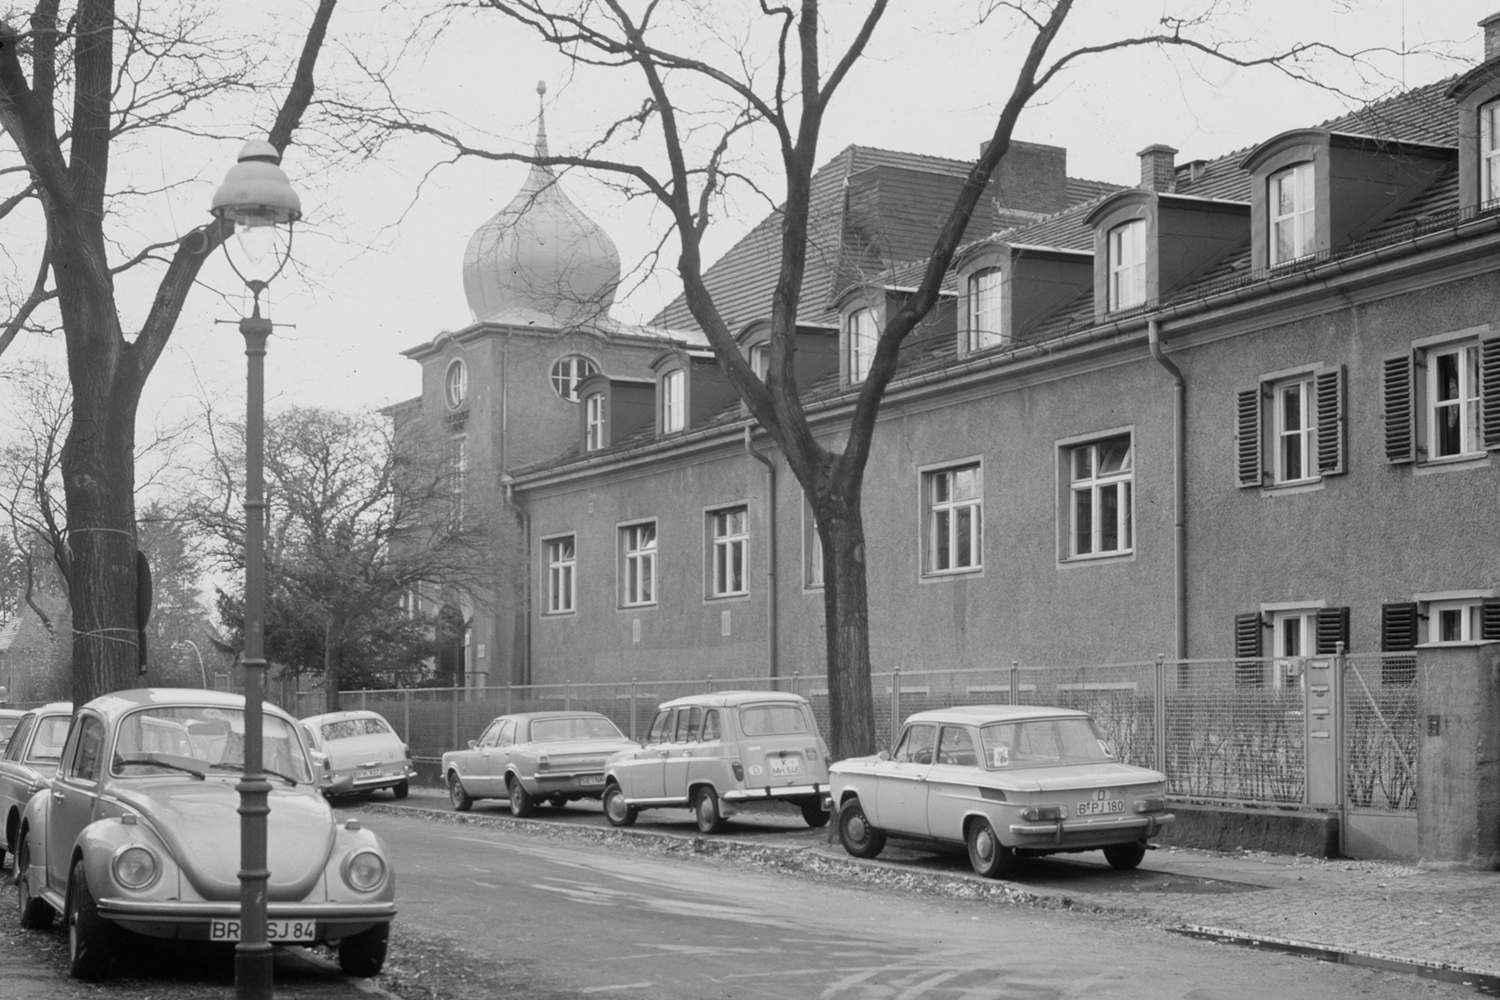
(956, 746)
(812, 550)
(760, 360)
(861, 337)
(1291, 639)
(1295, 423)
(1127, 265)
(1452, 411)
(18, 737)
(1489, 154)
(1289, 208)
(984, 310)
(673, 401)
(638, 564)
(916, 745)
(561, 567)
(1453, 621)
(1101, 475)
(955, 519)
(85, 761)
(729, 543)
(660, 728)
(568, 372)
(456, 384)
(594, 428)
(711, 725)
(1296, 632)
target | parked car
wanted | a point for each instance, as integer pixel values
(715, 752)
(9, 719)
(362, 751)
(532, 757)
(139, 832)
(28, 764)
(1005, 781)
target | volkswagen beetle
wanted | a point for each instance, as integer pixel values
(29, 762)
(139, 833)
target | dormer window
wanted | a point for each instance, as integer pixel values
(1489, 154)
(673, 401)
(760, 360)
(593, 415)
(984, 310)
(1127, 265)
(568, 372)
(456, 384)
(860, 348)
(1290, 212)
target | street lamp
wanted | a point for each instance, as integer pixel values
(202, 674)
(257, 198)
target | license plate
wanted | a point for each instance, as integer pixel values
(369, 772)
(591, 779)
(276, 930)
(1104, 802)
(785, 767)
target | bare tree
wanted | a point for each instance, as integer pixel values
(79, 88)
(776, 81)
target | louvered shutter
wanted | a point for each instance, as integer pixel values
(1489, 619)
(1330, 627)
(1398, 632)
(1400, 410)
(1329, 387)
(1489, 391)
(1247, 422)
(1248, 668)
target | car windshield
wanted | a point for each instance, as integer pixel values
(582, 727)
(782, 719)
(200, 738)
(1040, 742)
(51, 734)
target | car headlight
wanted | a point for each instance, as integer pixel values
(365, 871)
(136, 868)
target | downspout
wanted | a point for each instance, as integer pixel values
(1179, 485)
(508, 485)
(771, 633)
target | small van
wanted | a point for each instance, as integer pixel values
(362, 751)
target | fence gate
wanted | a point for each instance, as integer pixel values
(1381, 696)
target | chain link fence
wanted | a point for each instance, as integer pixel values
(1381, 719)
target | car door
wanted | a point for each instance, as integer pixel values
(511, 738)
(682, 752)
(74, 796)
(644, 777)
(489, 763)
(901, 782)
(951, 782)
(13, 783)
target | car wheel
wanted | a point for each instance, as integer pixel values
(363, 954)
(706, 810)
(989, 857)
(521, 801)
(1123, 857)
(35, 913)
(401, 791)
(90, 936)
(456, 794)
(855, 832)
(616, 809)
(813, 814)
(557, 801)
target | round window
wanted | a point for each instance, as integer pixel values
(568, 372)
(456, 384)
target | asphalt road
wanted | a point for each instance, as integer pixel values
(530, 915)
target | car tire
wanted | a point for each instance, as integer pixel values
(363, 954)
(616, 809)
(557, 801)
(456, 794)
(401, 791)
(1124, 857)
(706, 812)
(855, 832)
(522, 802)
(987, 855)
(90, 936)
(36, 914)
(813, 814)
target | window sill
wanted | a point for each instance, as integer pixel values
(738, 595)
(1095, 559)
(1293, 487)
(637, 607)
(944, 575)
(1452, 463)
(560, 614)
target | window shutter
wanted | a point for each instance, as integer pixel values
(1489, 390)
(1247, 420)
(1248, 668)
(1400, 411)
(1489, 619)
(1330, 627)
(1329, 385)
(1398, 627)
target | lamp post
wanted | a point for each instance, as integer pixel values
(257, 198)
(202, 674)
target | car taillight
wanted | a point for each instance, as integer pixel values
(1153, 804)
(739, 771)
(1044, 814)
(812, 753)
(542, 763)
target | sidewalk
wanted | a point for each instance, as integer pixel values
(1434, 918)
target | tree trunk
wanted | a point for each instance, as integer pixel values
(330, 671)
(846, 610)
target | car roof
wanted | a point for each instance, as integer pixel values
(119, 702)
(55, 708)
(728, 698)
(553, 714)
(12, 713)
(979, 715)
(350, 713)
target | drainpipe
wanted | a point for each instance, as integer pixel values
(1179, 485)
(524, 516)
(771, 635)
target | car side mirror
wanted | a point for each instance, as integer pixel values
(473, 744)
(883, 755)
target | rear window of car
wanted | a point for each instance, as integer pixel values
(773, 720)
(1041, 742)
(343, 729)
(580, 728)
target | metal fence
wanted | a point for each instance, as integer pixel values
(1221, 730)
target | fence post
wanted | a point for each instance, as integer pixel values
(633, 684)
(568, 697)
(1015, 682)
(1340, 759)
(453, 716)
(796, 681)
(1159, 711)
(895, 703)
(363, 703)
(508, 689)
(406, 718)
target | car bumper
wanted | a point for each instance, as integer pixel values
(772, 794)
(1052, 836)
(344, 784)
(576, 782)
(189, 921)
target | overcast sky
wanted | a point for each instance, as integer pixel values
(381, 263)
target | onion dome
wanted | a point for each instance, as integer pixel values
(540, 261)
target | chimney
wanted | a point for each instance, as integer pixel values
(1491, 26)
(1158, 169)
